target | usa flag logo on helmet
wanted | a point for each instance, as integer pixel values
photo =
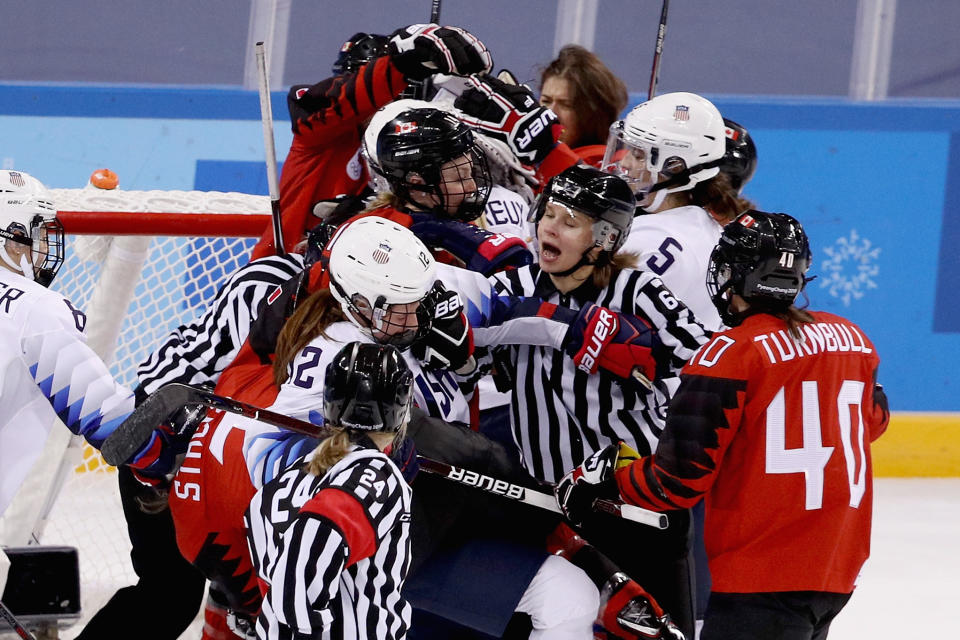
(17, 180)
(681, 113)
(381, 255)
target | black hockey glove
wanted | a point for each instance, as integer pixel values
(628, 612)
(449, 343)
(421, 50)
(510, 113)
(618, 343)
(592, 479)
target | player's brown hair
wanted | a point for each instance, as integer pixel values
(718, 196)
(604, 275)
(599, 94)
(310, 320)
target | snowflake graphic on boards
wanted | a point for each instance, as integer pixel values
(850, 267)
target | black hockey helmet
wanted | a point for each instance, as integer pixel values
(739, 161)
(606, 198)
(412, 137)
(368, 387)
(360, 49)
(763, 258)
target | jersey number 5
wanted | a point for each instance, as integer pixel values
(811, 458)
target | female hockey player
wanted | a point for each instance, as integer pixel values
(669, 149)
(787, 528)
(560, 415)
(47, 371)
(587, 98)
(377, 284)
(329, 536)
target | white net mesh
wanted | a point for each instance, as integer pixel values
(179, 277)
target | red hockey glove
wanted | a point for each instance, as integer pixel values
(510, 113)
(421, 50)
(449, 342)
(628, 612)
(619, 343)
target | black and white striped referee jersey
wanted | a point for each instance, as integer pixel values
(333, 551)
(559, 414)
(198, 352)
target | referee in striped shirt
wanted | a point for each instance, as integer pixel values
(560, 414)
(330, 537)
(195, 353)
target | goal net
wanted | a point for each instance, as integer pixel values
(139, 264)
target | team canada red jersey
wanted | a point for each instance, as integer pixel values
(324, 158)
(776, 433)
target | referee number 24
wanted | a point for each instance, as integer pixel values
(811, 458)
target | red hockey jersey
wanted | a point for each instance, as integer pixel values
(776, 434)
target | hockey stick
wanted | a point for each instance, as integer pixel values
(658, 50)
(536, 498)
(266, 117)
(171, 398)
(435, 12)
(158, 408)
(14, 623)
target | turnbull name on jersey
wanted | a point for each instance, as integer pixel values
(818, 337)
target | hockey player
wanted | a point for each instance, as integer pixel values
(329, 117)
(669, 150)
(587, 98)
(47, 371)
(772, 424)
(561, 415)
(330, 535)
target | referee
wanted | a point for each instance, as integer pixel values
(193, 354)
(560, 414)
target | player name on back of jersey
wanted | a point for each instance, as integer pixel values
(819, 337)
(7, 295)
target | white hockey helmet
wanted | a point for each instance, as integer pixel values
(28, 218)
(373, 264)
(667, 144)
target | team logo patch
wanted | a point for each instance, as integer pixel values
(300, 92)
(747, 221)
(681, 113)
(731, 134)
(381, 255)
(406, 127)
(17, 180)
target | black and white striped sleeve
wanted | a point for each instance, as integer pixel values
(198, 352)
(681, 334)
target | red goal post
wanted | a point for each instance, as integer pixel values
(139, 264)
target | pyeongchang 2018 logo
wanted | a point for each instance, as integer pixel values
(850, 269)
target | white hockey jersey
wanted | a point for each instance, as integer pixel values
(676, 245)
(47, 371)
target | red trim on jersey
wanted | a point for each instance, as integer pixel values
(546, 310)
(347, 513)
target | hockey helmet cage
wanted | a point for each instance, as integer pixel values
(28, 217)
(409, 138)
(368, 387)
(360, 49)
(373, 264)
(668, 143)
(606, 198)
(740, 159)
(763, 258)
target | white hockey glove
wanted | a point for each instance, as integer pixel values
(421, 50)
(511, 113)
(592, 479)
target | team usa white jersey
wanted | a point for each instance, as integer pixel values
(506, 213)
(676, 245)
(332, 552)
(301, 396)
(47, 371)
